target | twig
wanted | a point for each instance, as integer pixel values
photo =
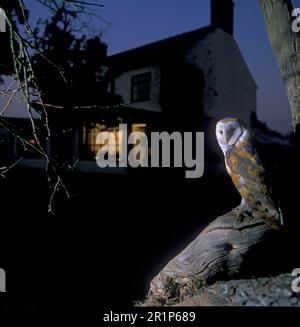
(45, 58)
(6, 169)
(85, 3)
(43, 3)
(8, 102)
(58, 183)
(94, 106)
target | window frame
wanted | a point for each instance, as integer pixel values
(143, 83)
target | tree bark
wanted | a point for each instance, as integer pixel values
(218, 253)
(263, 291)
(286, 48)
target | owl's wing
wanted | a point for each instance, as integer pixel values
(246, 163)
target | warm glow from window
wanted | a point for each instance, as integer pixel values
(32, 141)
(139, 128)
(90, 133)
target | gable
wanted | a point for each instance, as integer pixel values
(152, 54)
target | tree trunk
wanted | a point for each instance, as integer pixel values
(218, 253)
(286, 47)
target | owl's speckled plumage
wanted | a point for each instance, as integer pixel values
(247, 172)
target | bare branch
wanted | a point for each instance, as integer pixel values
(8, 102)
(84, 3)
(6, 169)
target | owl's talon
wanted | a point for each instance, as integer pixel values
(240, 218)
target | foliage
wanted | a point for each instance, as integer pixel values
(78, 77)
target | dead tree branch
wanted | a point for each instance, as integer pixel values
(218, 253)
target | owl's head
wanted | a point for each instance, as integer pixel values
(229, 131)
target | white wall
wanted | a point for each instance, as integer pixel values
(123, 88)
(230, 89)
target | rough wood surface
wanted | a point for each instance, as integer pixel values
(286, 47)
(218, 253)
(264, 291)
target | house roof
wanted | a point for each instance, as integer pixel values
(153, 53)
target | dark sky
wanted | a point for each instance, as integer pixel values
(135, 22)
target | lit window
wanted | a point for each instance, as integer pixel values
(141, 87)
(142, 152)
(139, 128)
(90, 133)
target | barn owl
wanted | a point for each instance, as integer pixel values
(246, 171)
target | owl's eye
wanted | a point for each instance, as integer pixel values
(221, 132)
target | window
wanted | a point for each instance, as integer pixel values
(142, 153)
(89, 136)
(140, 87)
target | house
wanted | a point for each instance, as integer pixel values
(183, 83)
(203, 69)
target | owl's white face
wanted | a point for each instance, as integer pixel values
(228, 132)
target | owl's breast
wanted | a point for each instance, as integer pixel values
(231, 160)
(239, 182)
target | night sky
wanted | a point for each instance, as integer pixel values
(132, 23)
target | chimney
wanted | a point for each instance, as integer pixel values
(222, 15)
